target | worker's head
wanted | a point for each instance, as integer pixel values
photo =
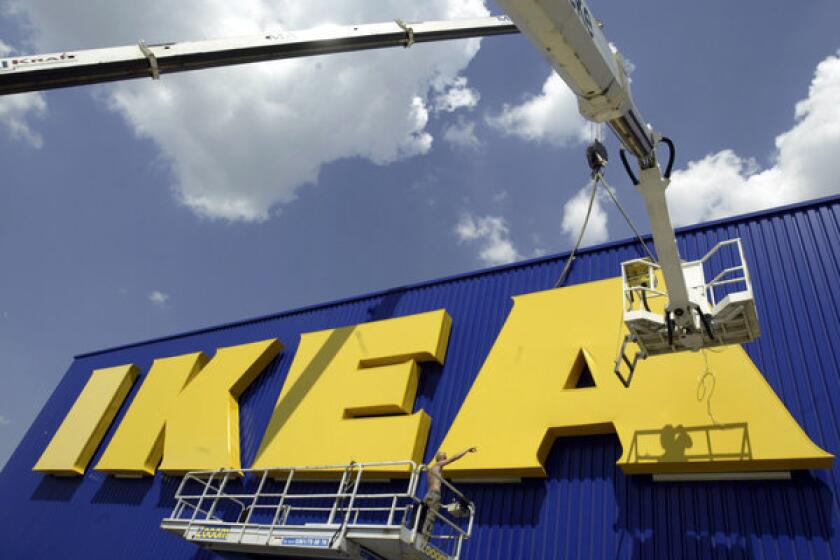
(441, 456)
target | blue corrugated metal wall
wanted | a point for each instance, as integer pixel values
(586, 508)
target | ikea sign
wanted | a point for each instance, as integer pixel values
(350, 392)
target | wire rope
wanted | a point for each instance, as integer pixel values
(627, 218)
(595, 132)
(570, 260)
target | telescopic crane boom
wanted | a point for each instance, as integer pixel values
(74, 68)
(697, 313)
(570, 38)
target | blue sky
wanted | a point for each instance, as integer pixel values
(136, 210)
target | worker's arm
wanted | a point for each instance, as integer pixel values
(457, 456)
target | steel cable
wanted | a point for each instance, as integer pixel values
(570, 260)
(627, 218)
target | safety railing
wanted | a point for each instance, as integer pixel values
(638, 278)
(738, 273)
(271, 500)
(463, 508)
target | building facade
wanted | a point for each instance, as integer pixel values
(585, 505)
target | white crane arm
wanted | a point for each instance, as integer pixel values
(20, 74)
(568, 35)
(570, 38)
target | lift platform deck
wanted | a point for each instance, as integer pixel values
(287, 513)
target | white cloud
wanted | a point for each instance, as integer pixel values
(551, 117)
(492, 235)
(158, 298)
(4, 421)
(17, 110)
(456, 95)
(461, 134)
(574, 213)
(242, 140)
(805, 165)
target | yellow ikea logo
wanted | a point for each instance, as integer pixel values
(349, 395)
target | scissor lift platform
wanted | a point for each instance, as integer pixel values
(238, 511)
(315, 541)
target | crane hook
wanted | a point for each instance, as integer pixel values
(597, 157)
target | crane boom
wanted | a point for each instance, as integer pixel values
(568, 35)
(74, 68)
(570, 38)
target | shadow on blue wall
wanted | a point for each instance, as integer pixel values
(654, 519)
(168, 488)
(125, 491)
(647, 519)
(385, 308)
(56, 489)
(737, 514)
(430, 375)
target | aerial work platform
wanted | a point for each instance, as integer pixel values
(723, 313)
(287, 513)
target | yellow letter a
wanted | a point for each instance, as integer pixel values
(525, 397)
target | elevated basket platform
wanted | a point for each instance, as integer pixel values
(723, 310)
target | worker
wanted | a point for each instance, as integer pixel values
(434, 475)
